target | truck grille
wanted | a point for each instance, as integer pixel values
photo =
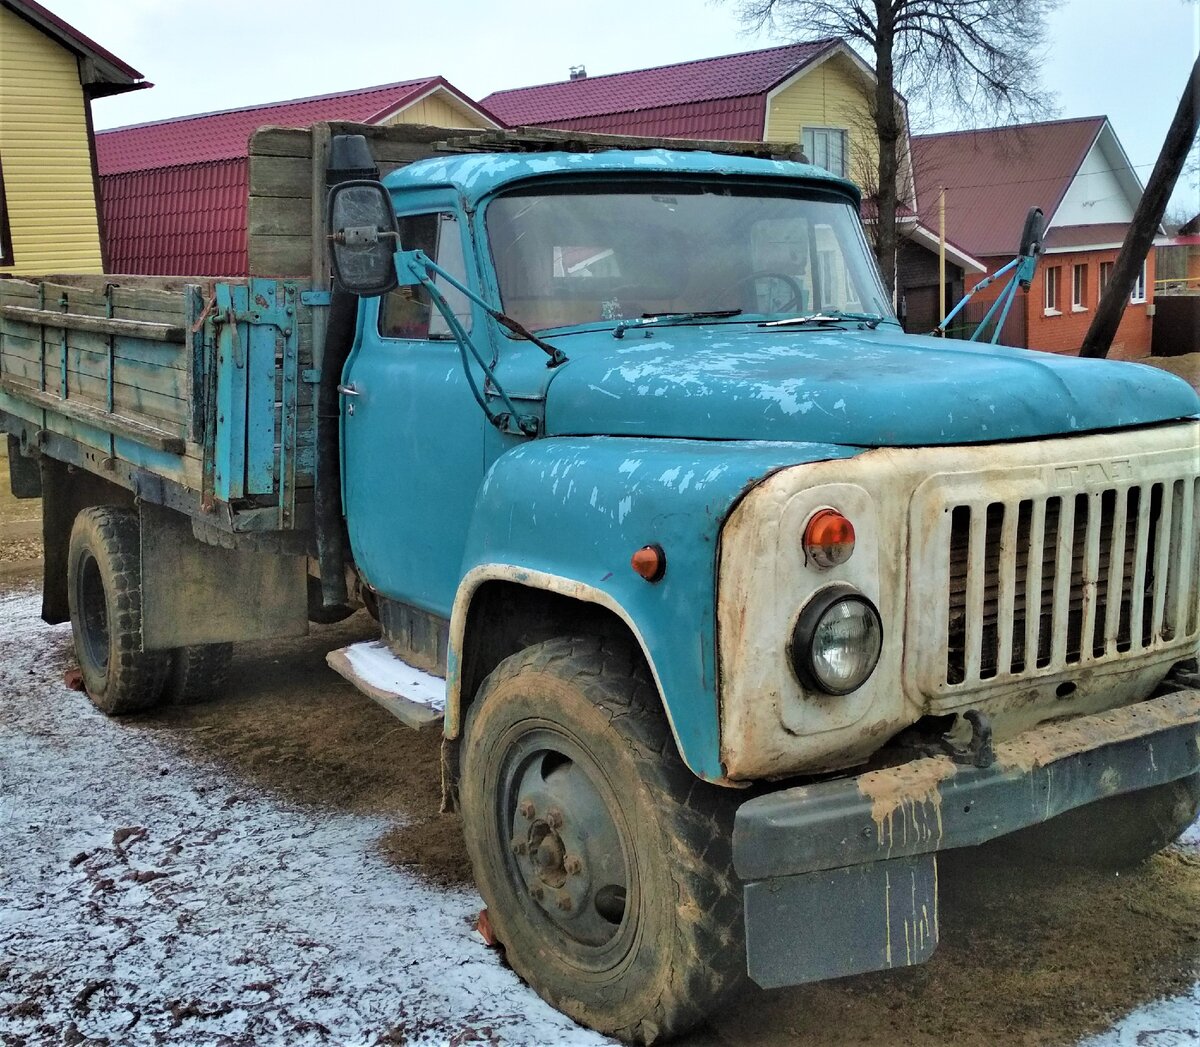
(1041, 583)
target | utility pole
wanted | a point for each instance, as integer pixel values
(1146, 220)
(942, 256)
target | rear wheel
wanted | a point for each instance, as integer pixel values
(104, 591)
(605, 864)
(1118, 832)
(198, 672)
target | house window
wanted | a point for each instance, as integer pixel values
(1106, 270)
(6, 251)
(1052, 277)
(1079, 288)
(826, 147)
(1139, 288)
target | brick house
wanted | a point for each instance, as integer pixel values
(1078, 173)
(175, 192)
(817, 94)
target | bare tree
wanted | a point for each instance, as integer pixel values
(979, 58)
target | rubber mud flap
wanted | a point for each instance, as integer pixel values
(838, 922)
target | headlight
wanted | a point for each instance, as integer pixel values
(837, 640)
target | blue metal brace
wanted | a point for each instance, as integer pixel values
(1022, 268)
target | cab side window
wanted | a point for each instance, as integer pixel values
(407, 311)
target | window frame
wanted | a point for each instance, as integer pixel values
(465, 247)
(824, 129)
(1105, 276)
(1079, 287)
(1140, 282)
(1052, 279)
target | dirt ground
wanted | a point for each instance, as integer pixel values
(1030, 953)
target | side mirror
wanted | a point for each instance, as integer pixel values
(361, 226)
(1031, 235)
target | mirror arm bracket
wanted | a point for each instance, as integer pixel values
(419, 264)
(414, 268)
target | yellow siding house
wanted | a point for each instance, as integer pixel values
(49, 74)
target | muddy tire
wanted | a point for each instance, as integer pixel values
(1119, 832)
(104, 592)
(606, 865)
(198, 673)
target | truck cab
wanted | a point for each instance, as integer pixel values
(899, 577)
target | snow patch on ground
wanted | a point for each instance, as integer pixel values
(1164, 1023)
(149, 900)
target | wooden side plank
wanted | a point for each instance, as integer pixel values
(154, 332)
(101, 419)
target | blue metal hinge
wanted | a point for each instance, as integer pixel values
(316, 297)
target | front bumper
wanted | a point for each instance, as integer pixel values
(841, 876)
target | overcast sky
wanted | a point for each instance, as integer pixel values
(1127, 59)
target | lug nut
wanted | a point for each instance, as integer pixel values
(573, 865)
(527, 810)
(554, 819)
(564, 903)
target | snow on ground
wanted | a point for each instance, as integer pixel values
(147, 900)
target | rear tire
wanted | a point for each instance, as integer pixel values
(198, 673)
(1119, 832)
(104, 592)
(605, 863)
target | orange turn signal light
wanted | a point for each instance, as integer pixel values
(828, 538)
(650, 562)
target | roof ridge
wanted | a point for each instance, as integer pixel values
(271, 105)
(669, 65)
(1010, 127)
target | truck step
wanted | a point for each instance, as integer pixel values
(413, 696)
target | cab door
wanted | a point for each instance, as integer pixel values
(412, 433)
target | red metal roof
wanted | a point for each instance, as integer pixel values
(187, 220)
(226, 135)
(729, 120)
(1103, 233)
(727, 78)
(993, 176)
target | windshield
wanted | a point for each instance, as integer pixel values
(601, 252)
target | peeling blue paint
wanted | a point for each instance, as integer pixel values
(479, 174)
(632, 492)
(859, 388)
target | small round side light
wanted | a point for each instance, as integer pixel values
(828, 539)
(650, 562)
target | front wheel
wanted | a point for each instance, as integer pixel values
(104, 592)
(605, 864)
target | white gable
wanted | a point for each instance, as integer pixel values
(1105, 190)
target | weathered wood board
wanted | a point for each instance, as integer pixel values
(287, 175)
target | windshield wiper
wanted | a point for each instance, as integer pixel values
(872, 320)
(652, 318)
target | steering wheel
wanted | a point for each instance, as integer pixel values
(792, 283)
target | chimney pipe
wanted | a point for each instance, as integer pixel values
(578, 72)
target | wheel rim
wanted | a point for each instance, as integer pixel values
(570, 857)
(93, 613)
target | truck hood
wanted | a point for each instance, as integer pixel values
(862, 388)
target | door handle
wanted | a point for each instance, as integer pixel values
(348, 390)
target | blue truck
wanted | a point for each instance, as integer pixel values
(742, 604)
